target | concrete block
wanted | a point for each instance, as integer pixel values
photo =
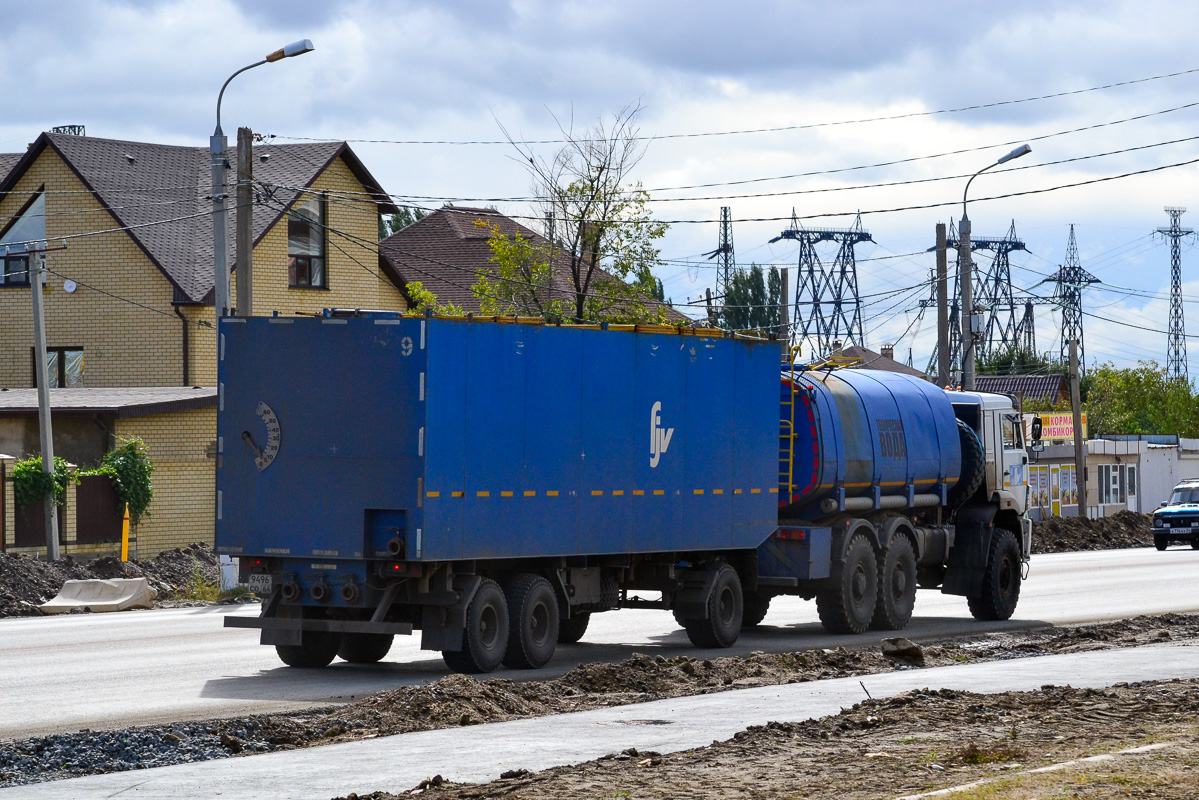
(118, 594)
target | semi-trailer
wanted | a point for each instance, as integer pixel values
(491, 483)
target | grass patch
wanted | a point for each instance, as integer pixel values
(200, 588)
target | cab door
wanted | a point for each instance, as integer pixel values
(1013, 488)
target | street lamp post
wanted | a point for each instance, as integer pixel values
(966, 274)
(216, 149)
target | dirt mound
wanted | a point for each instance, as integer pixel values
(1014, 744)
(27, 582)
(1068, 534)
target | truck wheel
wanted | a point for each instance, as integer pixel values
(316, 649)
(896, 586)
(1001, 579)
(974, 466)
(1195, 543)
(571, 630)
(754, 606)
(930, 577)
(532, 622)
(723, 625)
(486, 636)
(847, 606)
(1161, 541)
(364, 648)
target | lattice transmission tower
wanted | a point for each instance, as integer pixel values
(1176, 349)
(993, 296)
(1071, 278)
(827, 305)
(726, 261)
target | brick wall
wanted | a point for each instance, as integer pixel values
(182, 511)
(123, 345)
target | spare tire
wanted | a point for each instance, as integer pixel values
(974, 466)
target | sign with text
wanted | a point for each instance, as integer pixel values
(1054, 427)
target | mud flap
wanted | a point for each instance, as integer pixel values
(282, 634)
(973, 529)
(442, 626)
(691, 602)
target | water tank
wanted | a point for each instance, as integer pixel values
(863, 434)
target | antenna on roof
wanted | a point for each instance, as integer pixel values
(69, 130)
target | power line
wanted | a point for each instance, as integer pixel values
(778, 129)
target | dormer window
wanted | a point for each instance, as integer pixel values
(27, 232)
(306, 246)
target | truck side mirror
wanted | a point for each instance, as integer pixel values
(1037, 427)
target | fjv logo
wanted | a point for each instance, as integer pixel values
(659, 437)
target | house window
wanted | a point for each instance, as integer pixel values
(306, 246)
(1112, 488)
(64, 367)
(26, 233)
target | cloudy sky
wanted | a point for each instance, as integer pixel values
(453, 72)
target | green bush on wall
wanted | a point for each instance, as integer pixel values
(129, 468)
(31, 485)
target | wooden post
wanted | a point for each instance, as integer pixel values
(245, 223)
(1080, 459)
(942, 309)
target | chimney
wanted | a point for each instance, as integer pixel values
(888, 351)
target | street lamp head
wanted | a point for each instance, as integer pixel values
(1022, 150)
(294, 49)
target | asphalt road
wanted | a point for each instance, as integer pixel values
(112, 670)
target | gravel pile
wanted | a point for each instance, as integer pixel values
(1069, 534)
(27, 582)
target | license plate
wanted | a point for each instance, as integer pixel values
(260, 584)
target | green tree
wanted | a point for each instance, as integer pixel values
(424, 300)
(751, 301)
(606, 236)
(1140, 399)
(1016, 360)
(390, 223)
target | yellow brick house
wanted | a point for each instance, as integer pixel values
(129, 298)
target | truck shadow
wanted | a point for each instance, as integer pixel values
(408, 666)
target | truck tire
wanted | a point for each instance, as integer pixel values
(316, 649)
(1195, 543)
(847, 605)
(974, 466)
(571, 630)
(1161, 541)
(754, 606)
(725, 608)
(896, 586)
(364, 648)
(532, 622)
(486, 636)
(1001, 579)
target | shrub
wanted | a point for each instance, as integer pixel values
(129, 467)
(31, 485)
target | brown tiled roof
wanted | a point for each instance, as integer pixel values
(1031, 386)
(873, 360)
(163, 194)
(124, 401)
(8, 161)
(446, 252)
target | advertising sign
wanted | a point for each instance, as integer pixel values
(1056, 428)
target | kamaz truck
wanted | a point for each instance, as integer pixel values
(492, 483)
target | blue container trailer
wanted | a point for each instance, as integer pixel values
(493, 483)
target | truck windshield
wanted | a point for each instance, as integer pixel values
(1187, 496)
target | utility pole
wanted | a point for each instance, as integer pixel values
(942, 309)
(784, 316)
(1080, 459)
(37, 275)
(966, 282)
(220, 248)
(245, 223)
